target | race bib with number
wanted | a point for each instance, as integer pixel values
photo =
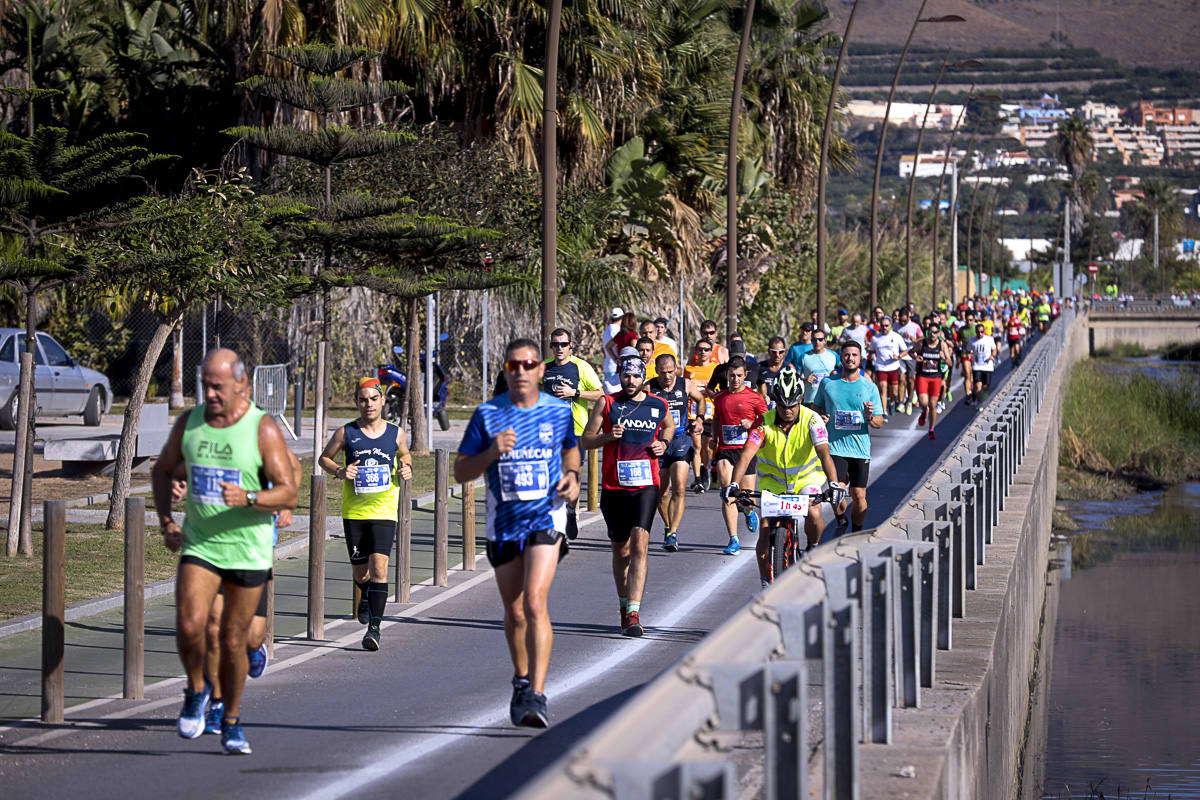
(733, 434)
(820, 376)
(634, 473)
(372, 479)
(784, 505)
(524, 480)
(847, 420)
(206, 483)
(678, 420)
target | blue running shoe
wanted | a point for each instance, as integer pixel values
(191, 717)
(752, 521)
(733, 548)
(534, 714)
(232, 738)
(212, 718)
(516, 706)
(671, 543)
(258, 661)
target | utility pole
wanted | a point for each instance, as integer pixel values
(550, 176)
(731, 226)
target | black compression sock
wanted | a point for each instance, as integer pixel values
(377, 599)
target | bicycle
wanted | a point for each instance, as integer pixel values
(780, 513)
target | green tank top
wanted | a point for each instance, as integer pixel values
(228, 538)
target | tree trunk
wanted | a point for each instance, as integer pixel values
(415, 389)
(24, 408)
(176, 398)
(129, 426)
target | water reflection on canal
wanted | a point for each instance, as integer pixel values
(1124, 705)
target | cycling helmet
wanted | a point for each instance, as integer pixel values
(788, 390)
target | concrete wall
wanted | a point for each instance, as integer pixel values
(965, 741)
(1150, 331)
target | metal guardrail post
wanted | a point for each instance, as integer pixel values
(926, 558)
(683, 780)
(54, 586)
(940, 535)
(951, 512)
(441, 517)
(878, 590)
(907, 584)
(468, 526)
(404, 544)
(316, 557)
(134, 612)
(785, 726)
(840, 662)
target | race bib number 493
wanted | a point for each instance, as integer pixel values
(524, 480)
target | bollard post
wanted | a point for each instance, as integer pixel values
(135, 599)
(298, 405)
(404, 544)
(269, 635)
(593, 480)
(316, 556)
(468, 526)
(441, 517)
(54, 585)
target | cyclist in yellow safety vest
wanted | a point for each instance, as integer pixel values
(792, 451)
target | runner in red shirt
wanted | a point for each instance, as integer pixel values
(736, 411)
(1013, 327)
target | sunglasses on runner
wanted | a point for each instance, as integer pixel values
(528, 364)
(560, 344)
(815, 339)
(779, 352)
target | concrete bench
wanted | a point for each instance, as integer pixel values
(97, 454)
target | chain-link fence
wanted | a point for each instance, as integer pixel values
(471, 329)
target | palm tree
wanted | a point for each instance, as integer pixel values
(1073, 145)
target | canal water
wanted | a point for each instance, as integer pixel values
(1124, 701)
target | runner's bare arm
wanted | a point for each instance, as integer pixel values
(160, 480)
(335, 444)
(468, 468)
(277, 468)
(405, 467)
(591, 438)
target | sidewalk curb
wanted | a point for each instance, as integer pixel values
(88, 608)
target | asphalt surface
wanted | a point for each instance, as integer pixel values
(427, 715)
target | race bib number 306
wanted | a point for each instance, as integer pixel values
(206, 483)
(524, 480)
(372, 479)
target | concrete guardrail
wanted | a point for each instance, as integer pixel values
(813, 674)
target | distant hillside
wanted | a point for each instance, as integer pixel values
(1157, 33)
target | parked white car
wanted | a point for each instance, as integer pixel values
(62, 387)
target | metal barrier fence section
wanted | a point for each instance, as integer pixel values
(271, 391)
(831, 648)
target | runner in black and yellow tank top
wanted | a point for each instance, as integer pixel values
(374, 454)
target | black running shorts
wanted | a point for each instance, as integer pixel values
(626, 509)
(261, 611)
(500, 553)
(983, 377)
(732, 455)
(365, 537)
(853, 471)
(246, 578)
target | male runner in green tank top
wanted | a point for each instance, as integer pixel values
(232, 450)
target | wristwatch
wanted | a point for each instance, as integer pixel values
(251, 498)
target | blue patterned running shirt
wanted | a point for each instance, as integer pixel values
(521, 483)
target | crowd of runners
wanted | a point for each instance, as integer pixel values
(794, 420)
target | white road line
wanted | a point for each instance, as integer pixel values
(393, 759)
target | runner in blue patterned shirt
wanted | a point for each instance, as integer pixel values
(525, 441)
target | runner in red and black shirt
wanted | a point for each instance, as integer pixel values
(633, 427)
(736, 410)
(1013, 328)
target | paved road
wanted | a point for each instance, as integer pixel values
(427, 716)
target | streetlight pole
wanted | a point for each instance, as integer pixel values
(731, 229)
(822, 169)
(550, 175)
(887, 112)
(912, 178)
